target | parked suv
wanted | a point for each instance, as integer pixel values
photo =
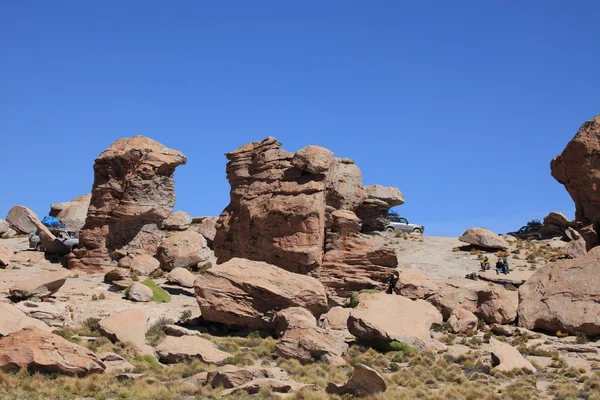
(69, 238)
(528, 232)
(398, 223)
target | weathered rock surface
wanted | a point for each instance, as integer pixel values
(120, 277)
(5, 255)
(4, 227)
(345, 222)
(181, 277)
(415, 285)
(577, 247)
(177, 221)
(578, 169)
(183, 250)
(374, 209)
(133, 192)
(127, 326)
(515, 277)
(506, 358)
(303, 340)
(143, 264)
(139, 292)
(9, 234)
(22, 219)
(14, 320)
(336, 318)
(563, 296)
(496, 306)
(230, 376)
(482, 237)
(344, 187)
(72, 213)
(207, 227)
(269, 384)
(313, 159)
(555, 224)
(45, 352)
(462, 321)
(55, 314)
(383, 317)
(247, 293)
(277, 211)
(355, 262)
(365, 381)
(174, 349)
(42, 286)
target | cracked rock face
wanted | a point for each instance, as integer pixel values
(578, 169)
(133, 192)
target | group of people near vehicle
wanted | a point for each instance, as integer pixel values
(501, 265)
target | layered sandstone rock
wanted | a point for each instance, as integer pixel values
(133, 192)
(277, 210)
(374, 209)
(72, 213)
(248, 293)
(578, 169)
(563, 296)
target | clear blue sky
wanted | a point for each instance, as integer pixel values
(460, 104)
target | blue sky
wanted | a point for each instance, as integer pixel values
(461, 104)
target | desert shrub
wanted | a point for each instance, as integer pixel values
(581, 337)
(156, 332)
(92, 324)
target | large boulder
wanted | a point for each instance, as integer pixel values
(555, 224)
(373, 211)
(207, 227)
(72, 213)
(415, 285)
(578, 169)
(381, 317)
(127, 326)
(563, 296)
(336, 318)
(5, 255)
(365, 381)
(50, 243)
(303, 340)
(577, 247)
(9, 234)
(482, 237)
(173, 350)
(22, 219)
(248, 293)
(462, 321)
(57, 313)
(181, 277)
(133, 192)
(45, 352)
(143, 264)
(14, 320)
(183, 250)
(313, 159)
(506, 358)
(42, 286)
(177, 221)
(4, 227)
(277, 210)
(344, 187)
(139, 292)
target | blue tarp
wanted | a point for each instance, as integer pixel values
(53, 222)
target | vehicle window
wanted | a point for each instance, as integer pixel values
(394, 219)
(523, 229)
(403, 220)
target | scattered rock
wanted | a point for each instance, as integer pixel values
(302, 340)
(248, 293)
(45, 352)
(482, 237)
(50, 243)
(54, 314)
(177, 221)
(118, 275)
(178, 331)
(183, 250)
(127, 326)
(14, 320)
(462, 321)
(563, 296)
(139, 292)
(22, 219)
(230, 376)
(181, 277)
(174, 349)
(42, 286)
(373, 211)
(506, 358)
(133, 192)
(72, 213)
(383, 317)
(144, 264)
(415, 285)
(365, 381)
(313, 159)
(272, 385)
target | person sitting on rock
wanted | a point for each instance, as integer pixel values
(505, 266)
(485, 263)
(499, 266)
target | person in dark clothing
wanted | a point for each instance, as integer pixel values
(505, 265)
(392, 282)
(499, 266)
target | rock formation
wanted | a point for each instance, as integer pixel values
(578, 169)
(22, 219)
(482, 237)
(42, 285)
(506, 358)
(133, 192)
(177, 221)
(188, 348)
(563, 296)
(72, 213)
(555, 224)
(374, 209)
(365, 381)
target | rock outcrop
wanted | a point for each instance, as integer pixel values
(22, 219)
(72, 213)
(344, 186)
(42, 286)
(14, 320)
(277, 210)
(482, 237)
(578, 169)
(374, 209)
(555, 224)
(183, 250)
(365, 381)
(577, 247)
(42, 351)
(563, 296)
(177, 221)
(207, 227)
(381, 317)
(133, 192)
(248, 293)
(173, 350)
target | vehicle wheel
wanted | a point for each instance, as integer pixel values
(416, 230)
(389, 229)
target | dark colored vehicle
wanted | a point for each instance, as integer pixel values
(528, 232)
